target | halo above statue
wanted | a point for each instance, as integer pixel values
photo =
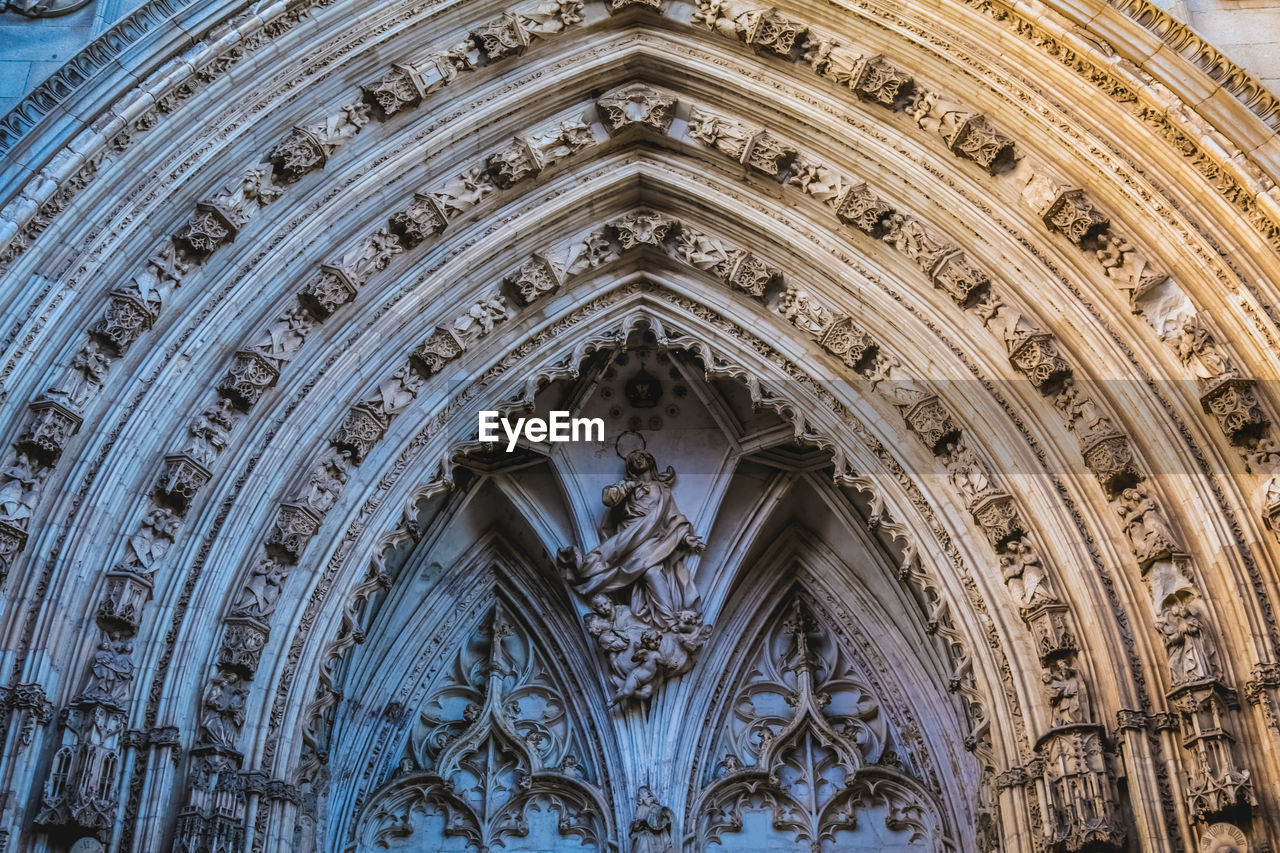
(630, 446)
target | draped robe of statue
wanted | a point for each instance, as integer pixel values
(646, 540)
(651, 826)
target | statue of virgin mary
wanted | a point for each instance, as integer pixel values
(646, 541)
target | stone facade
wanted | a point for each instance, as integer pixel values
(938, 500)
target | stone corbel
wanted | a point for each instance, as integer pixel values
(619, 5)
(1263, 692)
(1037, 358)
(959, 278)
(766, 154)
(1051, 630)
(501, 38)
(32, 707)
(361, 429)
(538, 277)
(881, 81)
(752, 275)
(398, 89)
(1234, 402)
(209, 227)
(243, 640)
(1110, 458)
(636, 106)
(180, 479)
(1078, 799)
(863, 209)
(1065, 210)
(298, 153)
(121, 606)
(773, 32)
(975, 138)
(127, 317)
(850, 343)
(424, 218)
(294, 526)
(249, 378)
(1216, 788)
(998, 516)
(931, 423)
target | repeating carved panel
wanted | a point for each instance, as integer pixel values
(493, 758)
(805, 751)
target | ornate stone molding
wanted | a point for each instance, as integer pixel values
(965, 680)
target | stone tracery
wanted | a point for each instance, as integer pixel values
(1185, 639)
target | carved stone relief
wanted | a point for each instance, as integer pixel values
(491, 749)
(810, 748)
(1078, 792)
(646, 615)
(765, 30)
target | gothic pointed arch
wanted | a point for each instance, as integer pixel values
(703, 378)
(810, 753)
(947, 330)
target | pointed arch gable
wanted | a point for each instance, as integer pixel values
(260, 273)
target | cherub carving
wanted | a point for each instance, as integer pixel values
(481, 317)
(1082, 413)
(902, 393)
(396, 392)
(285, 335)
(465, 191)
(640, 680)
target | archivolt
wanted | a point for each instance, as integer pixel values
(764, 130)
(945, 606)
